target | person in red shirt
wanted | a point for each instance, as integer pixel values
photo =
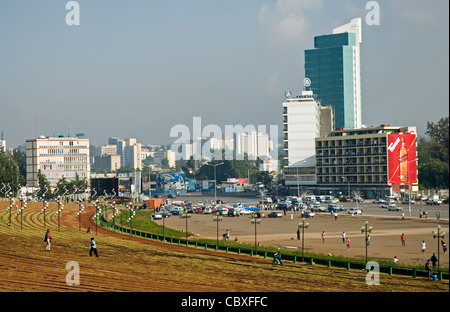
(47, 239)
(403, 239)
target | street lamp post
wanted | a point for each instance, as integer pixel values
(366, 229)
(58, 213)
(186, 216)
(438, 235)
(130, 219)
(217, 219)
(256, 222)
(11, 204)
(23, 205)
(96, 215)
(302, 225)
(44, 208)
(78, 215)
(215, 180)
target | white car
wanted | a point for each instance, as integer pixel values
(394, 208)
(244, 211)
(379, 201)
(222, 211)
(156, 216)
(318, 208)
(308, 214)
(354, 211)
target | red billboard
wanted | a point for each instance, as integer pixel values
(402, 158)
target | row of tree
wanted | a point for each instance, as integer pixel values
(433, 161)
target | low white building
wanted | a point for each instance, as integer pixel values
(57, 157)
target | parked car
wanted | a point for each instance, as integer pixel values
(222, 211)
(379, 201)
(308, 214)
(166, 214)
(318, 208)
(177, 212)
(354, 211)
(244, 211)
(207, 210)
(335, 207)
(407, 201)
(394, 208)
(233, 212)
(344, 199)
(361, 200)
(260, 214)
(275, 214)
(156, 216)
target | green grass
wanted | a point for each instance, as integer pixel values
(142, 221)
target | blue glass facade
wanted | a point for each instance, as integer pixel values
(330, 66)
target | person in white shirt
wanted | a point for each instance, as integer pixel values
(395, 259)
(423, 245)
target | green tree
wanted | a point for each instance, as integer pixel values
(438, 134)
(44, 186)
(433, 156)
(9, 173)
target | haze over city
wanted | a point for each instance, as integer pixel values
(138, 68)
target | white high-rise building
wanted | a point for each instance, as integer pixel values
(355, 26)
(252, 144)
(57, 157)
(301, 120)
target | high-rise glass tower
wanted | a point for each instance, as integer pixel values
(334, 68)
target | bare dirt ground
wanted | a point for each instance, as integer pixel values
(385, 236)
(138, 265)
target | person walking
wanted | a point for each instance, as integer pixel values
(93, 248)
(434, 260)
(48, 239)
(348, 243)
(444, 246)
(343, 237)
(323, 236)
(423, 246)
(403, 216)
(403, 238)
(429, 268)
(298, 234)
(335, 215)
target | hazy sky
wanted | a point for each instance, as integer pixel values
(137, 68)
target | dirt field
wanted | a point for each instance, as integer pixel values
(129, 265)
(385, 235)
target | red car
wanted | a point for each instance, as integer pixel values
(344, 199)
